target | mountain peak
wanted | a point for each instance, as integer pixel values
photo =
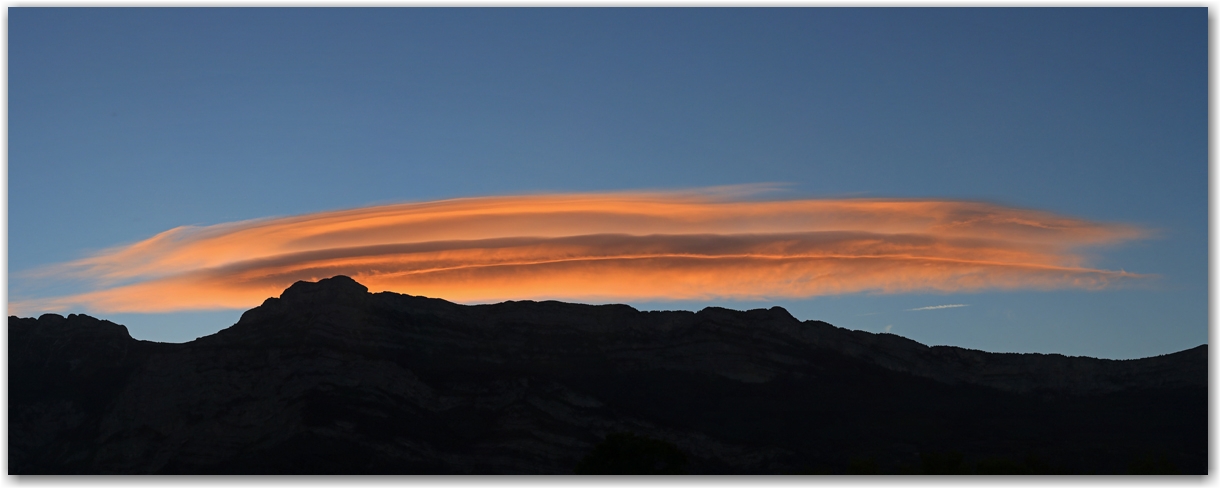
(326, 288)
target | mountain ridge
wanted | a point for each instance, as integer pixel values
(997, 369)
(528, 387)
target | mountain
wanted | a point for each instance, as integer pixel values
(329, 378)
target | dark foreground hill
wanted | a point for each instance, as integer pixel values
(329, 378)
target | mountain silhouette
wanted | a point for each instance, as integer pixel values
(329, 378)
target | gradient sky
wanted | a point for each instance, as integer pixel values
(125, 123)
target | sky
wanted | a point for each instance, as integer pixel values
(1041, 172)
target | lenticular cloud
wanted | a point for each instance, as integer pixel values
(608, 246)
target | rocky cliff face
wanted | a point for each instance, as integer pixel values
(331, 378)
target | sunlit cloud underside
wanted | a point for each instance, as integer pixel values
(696, 245)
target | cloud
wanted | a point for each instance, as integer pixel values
(937, 307)
(695, 245)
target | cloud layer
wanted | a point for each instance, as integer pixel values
(608, 246)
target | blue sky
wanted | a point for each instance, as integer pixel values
(124, 123)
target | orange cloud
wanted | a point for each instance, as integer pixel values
(612, 246)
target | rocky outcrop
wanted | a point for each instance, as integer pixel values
(331, 378)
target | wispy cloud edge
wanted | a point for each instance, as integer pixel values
(938, 307)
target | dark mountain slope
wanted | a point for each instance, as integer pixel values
(331, 379)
